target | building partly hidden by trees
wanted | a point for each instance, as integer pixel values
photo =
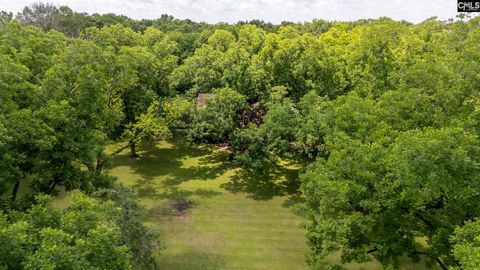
(383, 116)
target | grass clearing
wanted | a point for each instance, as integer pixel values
(211, 217)
(230, 223)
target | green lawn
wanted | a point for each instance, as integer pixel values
(231, 222)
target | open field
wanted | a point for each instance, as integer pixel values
(228, 224)
(210, 217)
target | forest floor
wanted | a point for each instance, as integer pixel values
(210, 216)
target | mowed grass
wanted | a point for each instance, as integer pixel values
(231, 221)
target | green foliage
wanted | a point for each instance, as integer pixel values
(310, 135)
(141, 240)
(85, 236)
(5, 17)
(250, 149)
(279, 126)
(178, 111)
(421, 185)
(466, 245)
(386, 112)
(149, 125)
(218, 119)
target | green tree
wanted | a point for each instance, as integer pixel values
(203, 71)
(139, 67)
(141, 240)
(250, 149)
(218, 119)
(85, 236)
(466, 245)
(149, 125)
(5, 17)
(421, 185)
(44, 16)
(279, 126)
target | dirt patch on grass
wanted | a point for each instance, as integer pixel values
(224, 148)
(172, 210)
(182, 205)
(180, 210)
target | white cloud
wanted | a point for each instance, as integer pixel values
(269, 10)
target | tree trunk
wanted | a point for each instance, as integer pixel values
(439, 261)
(52, 185)
(101, 159)
(133, 149)
(99, 166)
(129, 144)
(15, 190)
(120, 149)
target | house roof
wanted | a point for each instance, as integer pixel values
(202, 99)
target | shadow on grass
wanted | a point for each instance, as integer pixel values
(204, 171)
(170, 161)
(192, 260)
(281, 181)
(167, 161)
(159, 161)
(293, 200)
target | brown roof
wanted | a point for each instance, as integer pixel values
(202, 99)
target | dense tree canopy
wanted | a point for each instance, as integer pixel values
(85, 236)
(382, 116)
(466, 245)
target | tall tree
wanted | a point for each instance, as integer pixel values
(422, 185)
(85, 236)
(44, 16)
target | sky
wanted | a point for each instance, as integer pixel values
(274, 11)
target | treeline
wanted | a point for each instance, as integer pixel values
(382, 114)
(186, 33)
(63, 19)
(50, 17)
